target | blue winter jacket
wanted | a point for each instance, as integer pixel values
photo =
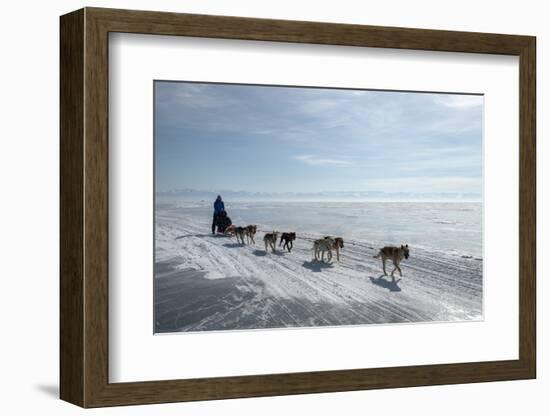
(218, 206)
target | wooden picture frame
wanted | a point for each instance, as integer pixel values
(84, 207)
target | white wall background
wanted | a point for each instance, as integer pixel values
(29, 158)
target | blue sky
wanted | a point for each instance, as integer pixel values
(281, 139)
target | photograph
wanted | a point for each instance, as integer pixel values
(283, 206)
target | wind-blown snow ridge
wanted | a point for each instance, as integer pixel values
(205, 282)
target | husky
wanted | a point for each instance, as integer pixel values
(270, 240)
(337, 245)
(321, 246)
(288, 238)
(240, 232)
(250, 232)
(395, 254)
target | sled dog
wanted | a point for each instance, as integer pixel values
(250, 232)
(337, 246)
(270, 240)
(240, 232)
(321, 246)
(395, 254)
(288, 238)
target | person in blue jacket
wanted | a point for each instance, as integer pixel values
(218, 208)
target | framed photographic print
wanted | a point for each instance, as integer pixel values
(255, 207)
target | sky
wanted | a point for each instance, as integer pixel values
(253, 138)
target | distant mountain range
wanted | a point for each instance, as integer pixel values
(197, 195)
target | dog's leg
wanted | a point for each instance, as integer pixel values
(265, 241)
(399, 268)
(329, 256)
(291, 245)
(395, 268)
(338, 254)
(384, 266)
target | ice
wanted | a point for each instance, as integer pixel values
(206, 282)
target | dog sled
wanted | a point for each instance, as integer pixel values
(223, 223)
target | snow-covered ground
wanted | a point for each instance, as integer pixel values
(205, 282)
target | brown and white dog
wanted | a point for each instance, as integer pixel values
(395, 254)
(270, 240)
(323, 245)
(288, 238)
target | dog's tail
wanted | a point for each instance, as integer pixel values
(378, 255)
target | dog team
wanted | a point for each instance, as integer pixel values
(320, 246)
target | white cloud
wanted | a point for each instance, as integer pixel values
(460, 101)
(313, 160)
